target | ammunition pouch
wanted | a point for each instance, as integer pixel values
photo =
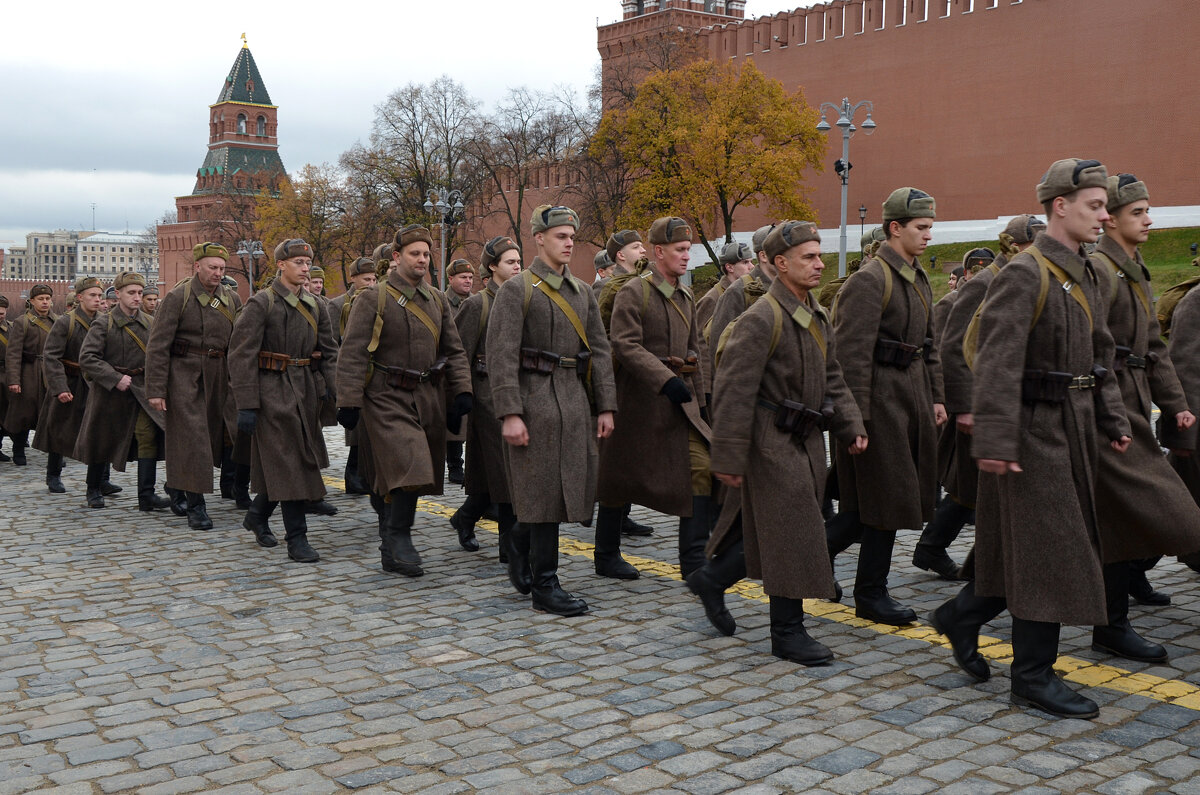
(479, 365)
(894, 353)
(534, 360)
(1041, 386)
(408, 379)
(678, 366)
(796, 418)
(1126, 358)
(280, 362)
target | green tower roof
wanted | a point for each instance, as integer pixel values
(244, 83)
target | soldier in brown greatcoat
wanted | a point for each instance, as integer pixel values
(545, 343)
(23, 368)
(400, 343)
(362, 276)
(738, 297)
(67, 390)
(460, 280)
(280, 343)
(604, 269)
(1184, 347)
(119, 424)
(150, 298)
(734, 262)
(1042, 407)
(5, 330)
(485, 481)
(885, 344)
(1144, 509)
(660, 396)
(328, 414)
(777, 387)
(187, 378)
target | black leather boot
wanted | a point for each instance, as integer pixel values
(871, 598)
(227, 468)
(1119, 637)
(320, 508)
(296, 532)
(54, 467)
(381, 508)
(454, 459)
(518, 558)
(107, 487)
(505, 521)
(631, 528)
(396, 551)
(789, 640)
(937, 537)
(841, 531)
(20, 442)
(463, 520)
(354, 481)
(197, 513)
(256, 521)
(147, 476)
(607, 555)
(178, 500)
(1139, 586)
(693, 535)
(713, 579)
(961, 620)
(95, 474)
(241, 485)
(548, 595)
(1034, 683)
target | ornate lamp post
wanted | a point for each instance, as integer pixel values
(842, 166)
(445, 209)
(250, 252)
(862, 220)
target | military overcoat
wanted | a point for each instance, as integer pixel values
(23, 367)
(5, 330)
(705, 307)
(1184, 348)
(731, 303)
(59, 423)
(484, 470)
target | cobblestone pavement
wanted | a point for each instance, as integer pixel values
(135, 656)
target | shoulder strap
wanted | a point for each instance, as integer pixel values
(135, 337)
(887, 285)
(1116, 272)
(373, 345)
(566, 309)
(312, 321)
(417, 312)
(344, 315)
(527, 281)
(1068, 284)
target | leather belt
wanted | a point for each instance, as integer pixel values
(130, 371)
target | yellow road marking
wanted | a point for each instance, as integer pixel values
(1074, 669)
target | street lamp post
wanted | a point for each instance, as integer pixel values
(446, 209)
(250, 252)
(862, 220)
(845, 123)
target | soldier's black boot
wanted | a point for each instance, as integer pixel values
(54, 467)
(789, 639)
(463, 520)
(227, 467)
(95, 497)
(841, 531)
(178, 500)
(107, 487)
(693, 535)
(631, 528)
(937, 537)
(1139, 586)
(396, 551)
(296, 532)
(20, 442)
(871, 598)
(713, 579)
(505, 521)
(147, 476)
(454, 459)
(518, 558)
(380, 507)
(548, 595)
(354, 481)
(241, 485)
(256, 521)
(1119, 637)
(320, 508)
(1034, 683)
(607, 555)
(197, 512)
(960, 620)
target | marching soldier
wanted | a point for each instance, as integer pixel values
(604, 269)
(150, 300)
(485, 482)
(23, 368)
(546, 351)
(119, 424)
(460, 279)
(739, 295)
(110, 299)
(735, 261)
(280, 344)
(187, 378)
(316, 284)
(400, 343)
(362, 276)
(660, 395)
(328, 414)
(62, 411)
(5, 330)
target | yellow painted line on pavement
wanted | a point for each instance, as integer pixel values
(1074, 669)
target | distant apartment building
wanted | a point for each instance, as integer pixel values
(105, 254)
(46, 256)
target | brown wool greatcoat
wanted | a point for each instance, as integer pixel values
(949, 462)
(652, 436)
(5, 330)
(456, 303)
(784, 477)
(1143, 507)
(705, 307)
(200, 408)
(109, 419)
(893, 483)
(554, 476)
(484, 470)
(59, 423)
(23, 367)
(328, 412)
(1036, 537)
(1185, 355)
(407, 430)
(730, 304)
(337, 322)
(287, 450)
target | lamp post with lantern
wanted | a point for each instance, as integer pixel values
(842, 166)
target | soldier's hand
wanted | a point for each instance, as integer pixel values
(604, 424)
(996, 467)
(15, 389)
(676, 391)
(859, 445)
(347, 417)
(1185, 419)
(463, 403)
(966, 423)
(247, 420)
(514, 431)
(939, 414)
(733, 481)
(124, 383)
(158, 404)
(65, 397)
(1122, 444)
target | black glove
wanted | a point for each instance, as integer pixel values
(348, 418)
(247, 420)
(676, 391)
(462, 405)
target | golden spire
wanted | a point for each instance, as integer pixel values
(245, 46)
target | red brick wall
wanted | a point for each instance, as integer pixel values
(12, 289)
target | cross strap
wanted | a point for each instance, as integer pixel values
(562, 304)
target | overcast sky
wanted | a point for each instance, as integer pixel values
(107, 103)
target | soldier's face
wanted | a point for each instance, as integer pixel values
(1132, 222)
(1082, 214)
(149, 302)
(952, 282)
(739, 269)
(672, 259)
(412, 262)
(41, 304)
(210, 270)
(3, 313)
(556, 244)
(461, 283)
(508, 266)
(315, 286)
(912, 239)
(631, 253)
(294, 272)
(89, 300)
(800, 267)
(362, 281)
(129, 298)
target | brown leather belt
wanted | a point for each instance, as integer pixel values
(31, 357)
(279, 362)
(184, 348)
(409, 379)
(680, 366)
(130, 371)
(70, 366)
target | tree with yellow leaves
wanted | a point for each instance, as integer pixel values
(708, 139)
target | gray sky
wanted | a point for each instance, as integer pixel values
(107, 103)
